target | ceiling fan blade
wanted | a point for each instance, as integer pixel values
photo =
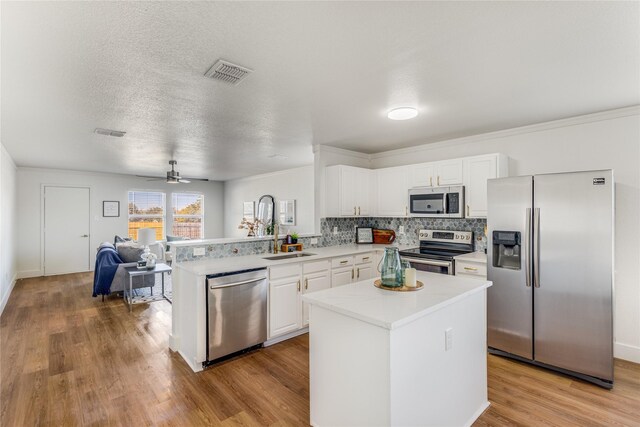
(184, 181)
(149, 176)
(197, 179)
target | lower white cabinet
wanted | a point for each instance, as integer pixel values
(287, 283)
(287, 311)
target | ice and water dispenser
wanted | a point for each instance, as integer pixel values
(507, 249)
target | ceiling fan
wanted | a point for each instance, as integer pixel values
(173, 176)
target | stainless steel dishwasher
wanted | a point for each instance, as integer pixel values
(236, 311)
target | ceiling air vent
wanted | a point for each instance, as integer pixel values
(227, 72)
(109, 132)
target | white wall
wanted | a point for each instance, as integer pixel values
(102, 187)
(609, 140)
(8, 218)
(292, 184)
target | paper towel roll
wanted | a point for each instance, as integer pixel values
(410, 277)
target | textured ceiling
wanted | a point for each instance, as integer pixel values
(325, 73)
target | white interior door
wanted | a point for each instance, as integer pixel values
(66, 230)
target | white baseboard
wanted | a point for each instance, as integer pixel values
(626, 352)
(286, 336)
(5, 299)
(30, 273)
(477, 414)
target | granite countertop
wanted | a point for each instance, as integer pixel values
(391, 310)
(235, 263)
(473, 257)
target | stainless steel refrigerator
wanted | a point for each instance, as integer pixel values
(550, 257)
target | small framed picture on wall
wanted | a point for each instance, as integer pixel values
(110, 208)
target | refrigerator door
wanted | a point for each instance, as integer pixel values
(573, 258)
(509, 300)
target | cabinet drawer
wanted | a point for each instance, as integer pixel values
(364, 258)
(312, 267)
(342, 262)
(284, 271)
(471, 268)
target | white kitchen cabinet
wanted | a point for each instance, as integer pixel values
(365, 267)
(314, 282)
(284, 306)
(436, 174)
(348, 191)
(392, 191)
(342, 276)
(287, 312)
(448, 172)
(477, 170)
(421, 175)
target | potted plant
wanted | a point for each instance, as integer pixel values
(294, 238)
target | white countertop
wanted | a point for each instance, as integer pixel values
(473, 257)
(241, 262)
(390, 309)
(222, 240)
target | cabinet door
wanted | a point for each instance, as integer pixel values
(449, 172)
(349, 178)
(312, 283)
(284, 306)
(362, 193)
(364, 272)
(393, 192)
(421, 175)
(342, 276)
(477, 171)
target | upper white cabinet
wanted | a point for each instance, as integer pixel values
(436, 174)
(448, 172)
(477, 170)
(392, 188)
(348, 191)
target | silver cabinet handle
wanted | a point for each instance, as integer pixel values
(438, 180)
(358, 210)
(527, 242)
(298, 285)
(430, 181)
(352, 273)
(365, 258)
(306, 283)
(471, 269)
(536, 247)
(357, 272)
(354, 210)
(85, 235)
(344, 262)
(467, 210)
(230, 285)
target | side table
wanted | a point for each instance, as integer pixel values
(134, 272)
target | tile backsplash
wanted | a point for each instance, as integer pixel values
(346, 234)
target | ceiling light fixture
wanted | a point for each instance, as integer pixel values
(109, 132)
(402, 113)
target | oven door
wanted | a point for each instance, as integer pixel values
(431, 265)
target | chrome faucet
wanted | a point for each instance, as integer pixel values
(275, 238)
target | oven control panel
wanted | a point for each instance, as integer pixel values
(446, 236)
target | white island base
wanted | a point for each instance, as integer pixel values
(380, 358)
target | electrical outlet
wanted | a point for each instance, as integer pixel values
(448, 339)
(198, 251)
(335, 230)
(314, 240)
(401, 229)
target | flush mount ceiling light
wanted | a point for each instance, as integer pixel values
(402, 113)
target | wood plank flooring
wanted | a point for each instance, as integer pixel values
(69, 359)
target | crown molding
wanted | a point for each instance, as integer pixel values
(538, 127)
(335, 150)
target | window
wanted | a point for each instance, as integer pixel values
(188, 215)
(146, 210)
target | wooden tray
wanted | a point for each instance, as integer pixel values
(419, 285)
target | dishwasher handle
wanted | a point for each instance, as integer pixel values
(229, 285)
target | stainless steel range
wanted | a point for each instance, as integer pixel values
(437, 249)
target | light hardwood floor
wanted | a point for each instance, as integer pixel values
(69, 359)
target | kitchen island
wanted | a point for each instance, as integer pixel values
(380, 358)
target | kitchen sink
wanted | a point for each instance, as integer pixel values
(288, 256)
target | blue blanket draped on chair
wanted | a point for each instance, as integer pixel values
(107, 261)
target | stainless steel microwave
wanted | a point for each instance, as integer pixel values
(437, 202)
